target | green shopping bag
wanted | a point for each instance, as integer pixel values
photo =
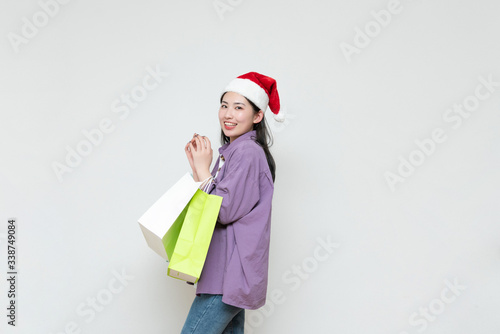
(188, 239)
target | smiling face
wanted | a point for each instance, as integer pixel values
(237, 116)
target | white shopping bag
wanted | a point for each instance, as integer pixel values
(157, 220)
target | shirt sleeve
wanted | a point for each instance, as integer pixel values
(239, 188)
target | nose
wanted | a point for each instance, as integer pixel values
(229, 113)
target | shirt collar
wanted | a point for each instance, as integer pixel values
(229, 147)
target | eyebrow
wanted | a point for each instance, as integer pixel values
(234, 102)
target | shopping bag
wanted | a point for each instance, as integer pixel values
(190, 250)
(160, 224)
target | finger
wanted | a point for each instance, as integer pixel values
(199, 144)
(209, 144)
(200, 141)
(203, 141)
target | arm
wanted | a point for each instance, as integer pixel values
(189, 154)
(240, 186)
(202, 154)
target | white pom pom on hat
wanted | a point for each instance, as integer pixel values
(260, 89)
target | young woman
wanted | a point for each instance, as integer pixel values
(234, 277)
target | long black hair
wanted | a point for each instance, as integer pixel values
(264, 137)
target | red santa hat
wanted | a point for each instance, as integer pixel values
(259, 89)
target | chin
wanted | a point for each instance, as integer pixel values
(226, 134)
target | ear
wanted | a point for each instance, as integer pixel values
(258, 117)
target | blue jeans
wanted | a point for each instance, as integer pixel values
(209, 315)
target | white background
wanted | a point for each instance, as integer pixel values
(350, 120)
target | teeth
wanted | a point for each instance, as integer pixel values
(229, 124)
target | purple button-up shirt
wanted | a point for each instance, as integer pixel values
(237, 261)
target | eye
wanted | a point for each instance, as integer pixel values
(223, 106)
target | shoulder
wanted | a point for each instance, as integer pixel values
(250, 147)
(248, 151)
(250, 156)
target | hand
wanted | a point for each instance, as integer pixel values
(202, 154)
(189, 155)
